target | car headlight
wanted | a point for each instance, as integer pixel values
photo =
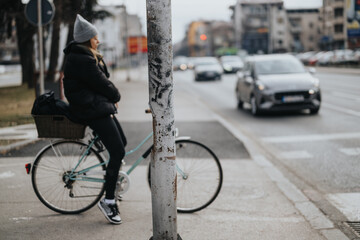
(260, 86)
(227, 67)
(183, 67)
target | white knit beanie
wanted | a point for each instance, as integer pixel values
(83, 30)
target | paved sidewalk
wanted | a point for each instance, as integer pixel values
(256, 201)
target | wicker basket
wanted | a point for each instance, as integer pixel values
(58, 126)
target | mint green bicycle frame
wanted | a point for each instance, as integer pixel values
(77, 175)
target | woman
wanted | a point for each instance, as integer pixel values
(93, 100)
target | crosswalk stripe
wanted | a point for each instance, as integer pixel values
(350, 151)
(341, 109)
(311, 137)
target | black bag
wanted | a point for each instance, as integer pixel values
(46, 104)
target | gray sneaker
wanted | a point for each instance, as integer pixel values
(110, 211)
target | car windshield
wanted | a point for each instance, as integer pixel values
(279, 66)
(208, 61)
(231, 59)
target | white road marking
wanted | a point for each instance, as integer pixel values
(311, 213)
(7, 174)
(346, 95)
(311, 137)
(341, 109)
(350, 151)
(347, 203)
(19, 219)
(296, 155)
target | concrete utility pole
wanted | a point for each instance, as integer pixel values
(163, 173)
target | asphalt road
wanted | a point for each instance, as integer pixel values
(321, 152)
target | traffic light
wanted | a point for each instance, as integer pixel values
(203, 37)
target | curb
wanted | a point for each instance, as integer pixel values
(312, 214)
(26, 133)
(7, 148)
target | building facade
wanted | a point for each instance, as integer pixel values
(305, 29)
(222, 38)
(261, 26)
(334, 25)
(114, 33)
(341, 24)
(209, 38)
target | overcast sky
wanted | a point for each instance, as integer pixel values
(186, 11)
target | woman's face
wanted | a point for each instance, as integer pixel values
(94, 42)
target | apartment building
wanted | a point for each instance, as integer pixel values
(115, 31)
(261, 26)
(334, 24)
(305, 29)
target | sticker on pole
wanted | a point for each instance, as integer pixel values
(47, 12)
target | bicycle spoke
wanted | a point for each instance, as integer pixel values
(52, 182)
(199, 176)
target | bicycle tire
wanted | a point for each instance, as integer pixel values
(51, 166)
(202, 185)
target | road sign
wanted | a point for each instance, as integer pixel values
(137, 44)
(47, 12)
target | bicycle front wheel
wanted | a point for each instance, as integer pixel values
(54, 185)
(199, 176)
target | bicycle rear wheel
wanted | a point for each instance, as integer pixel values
(51, 172)
(199, 176)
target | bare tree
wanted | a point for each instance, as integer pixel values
(14, 10)
(55, 39)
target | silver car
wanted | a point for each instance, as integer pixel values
(277, 82)
(207, 68)
(231, 64)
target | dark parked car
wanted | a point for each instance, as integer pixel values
(231, 64)
(277, 82)
(207, 68)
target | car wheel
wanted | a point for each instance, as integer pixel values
(314, 110)
(254, 107)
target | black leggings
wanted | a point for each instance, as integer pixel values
(112, 136)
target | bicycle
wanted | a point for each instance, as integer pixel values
(68, 176)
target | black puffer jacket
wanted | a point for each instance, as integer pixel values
(87, 88)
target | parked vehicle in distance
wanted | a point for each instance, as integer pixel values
(231, 64)
(357, 54)
(305, 57)
(277, 82)
(192, 62)
(344, 56)
(325, 59)
(314, 59)
(180, 63)
(207, 68)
